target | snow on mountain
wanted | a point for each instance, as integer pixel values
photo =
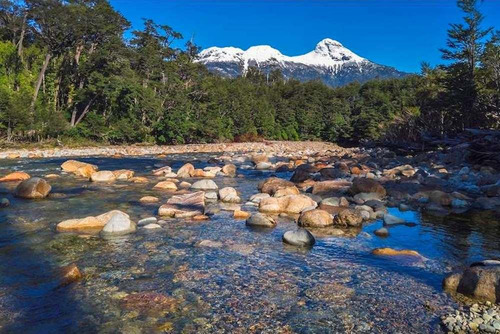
(330, 62)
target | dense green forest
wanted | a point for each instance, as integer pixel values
(67, 72)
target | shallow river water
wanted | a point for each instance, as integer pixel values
(253, 283)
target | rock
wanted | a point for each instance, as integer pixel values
(15, 176)
(139, 179)
(364, 197)
(79, 168)
(202, 173)
(348, 217)
(149, 199)
(4, 202)
(273, 184)
(258, 197)
(229, 195)
(331, 173)
(260, 220)
(300, 175)
(184, 185)
(204, 185)
(166, 170)
(238, 214)
(183, 206)
(146, 221)
(392, 220)
(229, 170)
(459, 203)
(118, 225)
(300, 238)
(263, 166)
(331, 201)
(258, 158)
(211, 196)
(330, 187)
(52, 176)
(200, 217)
(394, 252)
(123, 174)
(185, 171)
(89, 224)
(103, 176)
(33, 188)
(286, 191)
(166, 186)
(315, 218)
(288, 204)
(479, 282)
(209, 244)
(69, 274)
(440, 197)
(364, 185)
(152, 226)
(382, 232)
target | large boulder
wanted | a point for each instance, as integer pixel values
(89, 224)
(330, 187)
(229, 195)
(15, 176)
(260, 220)
(79, 168)
(365, 185)
(103, 176)
(348, 218)
(185, 171)
(184, 206)
(273, 184)
(315, 218)
(481, 282)
(300, 238)
(33, 188)
(204, 185)
(289, 204)
(117, 225)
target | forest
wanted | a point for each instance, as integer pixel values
(72, 72)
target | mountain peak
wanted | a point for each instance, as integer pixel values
(328, 42)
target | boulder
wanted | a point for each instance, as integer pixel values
(238, 214)
(79, 168)
(286, 191)
(260, 220)
(392, 220)
(123, 174)
(258, 197)
(103, 176)
(330, 187)
(166, 170)
(203, 174)
(440, 197)
(229, 195)
(273, 184)
(258, 158)
(348, 218)
(330, 173)
(289, 204)
(478, 282)
(89, 224)
(139, 179)
(365, 185)
(118, 225)
(395, 252)
(315, 218)
(15, 176)
(166, 186)
(229, 170)
(183, 206)
(300, 175)
(185, 171)
(300, 238)
(364, 197)
(263, 166)
(382, 232)
(33, 188)
(204, 185)
(149, 199)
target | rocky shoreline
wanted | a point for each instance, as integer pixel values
(136, 150)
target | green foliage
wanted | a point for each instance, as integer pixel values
(67, 73)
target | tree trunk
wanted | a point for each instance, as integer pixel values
(48, 56)
(21, 39)
(84, 112)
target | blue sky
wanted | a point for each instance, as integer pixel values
(399, 33)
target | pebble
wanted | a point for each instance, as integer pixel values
(483, 317)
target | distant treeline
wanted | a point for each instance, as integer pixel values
(68, 73)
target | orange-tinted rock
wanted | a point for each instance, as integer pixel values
(365, 185)
(166, 185)
(15, 176)
(70, 274)
(33, 188)
(273, 184)
(315, 218)
(139, 179)
(395, 252)
(149, 199)
(330, 187)
(239, 214)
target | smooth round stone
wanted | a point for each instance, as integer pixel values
(205, 185)
(392, 220)
(119, 224)
(152, 226)
(260, 220)
(300, 238)
(146, 221)
(382, 232)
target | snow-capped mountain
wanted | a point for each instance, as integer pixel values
(330, 62)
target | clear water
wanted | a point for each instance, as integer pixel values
(253, 283)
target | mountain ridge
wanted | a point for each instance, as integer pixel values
(329, 62)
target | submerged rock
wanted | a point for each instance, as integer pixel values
(395, 252)
(300, 238)
(69, 274)
(382, 232)
(103, 176)
(392, 220)
(33, 188)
